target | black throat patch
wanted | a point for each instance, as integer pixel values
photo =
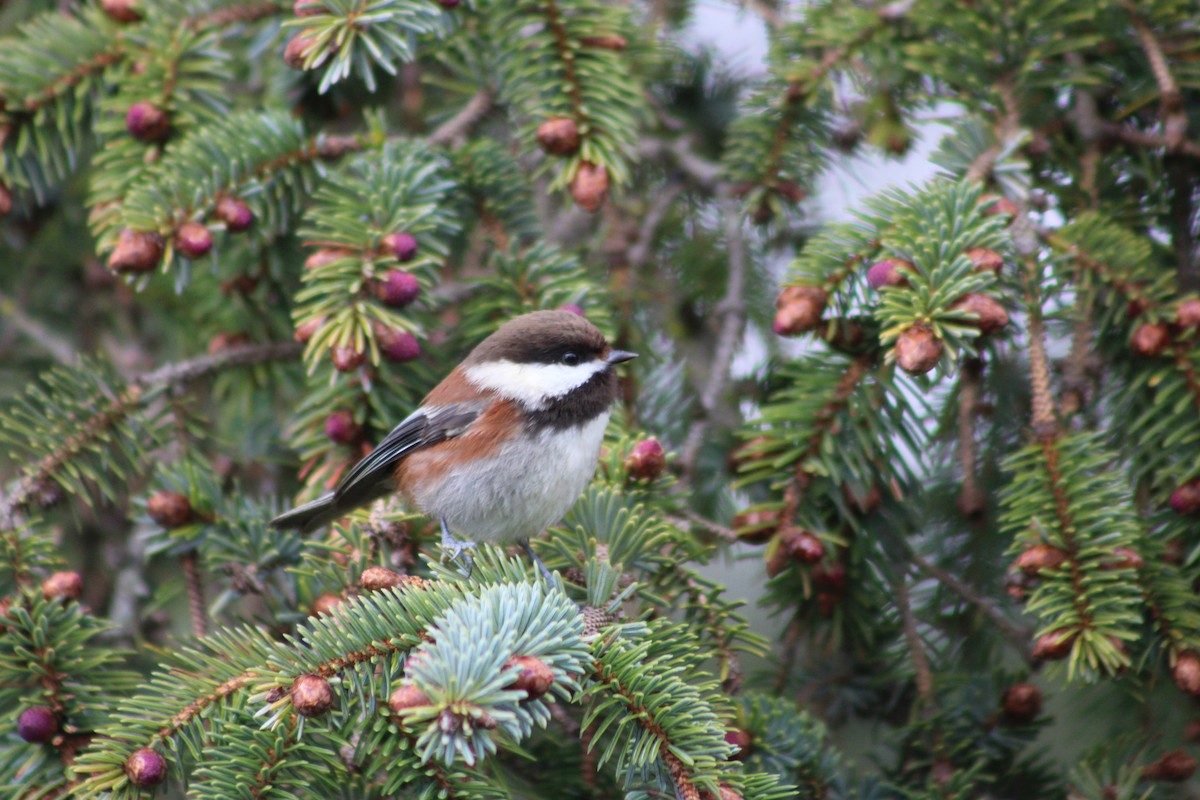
(578, 406)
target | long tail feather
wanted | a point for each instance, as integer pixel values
(310, 515)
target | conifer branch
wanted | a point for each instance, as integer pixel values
(195, 592)
(453, 130)
(1172, 113)
(35, 331)
(237, 356)
(970, 497)
(916, 649)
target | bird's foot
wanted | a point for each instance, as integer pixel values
(529, 552)
(457, 547)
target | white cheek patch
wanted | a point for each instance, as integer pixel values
(532, 384)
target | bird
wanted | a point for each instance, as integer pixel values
(502, 447)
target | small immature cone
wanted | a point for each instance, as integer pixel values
(296, 51)
(803, 546)
(62, 586)
(145, 768)
(236, 215)
(614, 42)
(397, 288)
(559, 136)
(991, 315)
(589, 187)
(1186, 672)
(376, 578)
(169, 509)
(984, 259)
(401, 245)
(1022, 702)
(918, 350)
(534, 677)
(193, 239)
(1002, 207)
(778, 558)
(1173, 767)
(798, 309)
(1053, 646)
(889, 272)
(6, 200)
(341, 428)
(1187, 315)
(1039, 558)
(147, 122)
(1125, 558)
(311, 695)
(37, 725)
(123, 11)
(136, 251)
(830, 577)
(1186, 498)
(406, 697)
(743, 741)
(308, 329)
(646, 461)
(756, 527)
(397, 345)
(347, 359)
(326, 256)
(1151, 339)
(326, 603)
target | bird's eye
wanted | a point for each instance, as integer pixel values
(570, 359)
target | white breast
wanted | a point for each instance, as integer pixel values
(526, 487)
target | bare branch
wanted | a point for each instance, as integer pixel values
(36, 332)
(453, 130)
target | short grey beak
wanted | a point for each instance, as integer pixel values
(619, 356)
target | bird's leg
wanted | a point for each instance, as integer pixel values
(529, 552)
(457, 547)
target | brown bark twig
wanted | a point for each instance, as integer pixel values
(457, 127)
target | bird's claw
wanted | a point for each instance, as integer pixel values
(457, 547)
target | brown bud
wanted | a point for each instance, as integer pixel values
(830, 577)
(396, 344)
(347, 359)
(798, 309)
(1173, 767)
(1191, 731)
(614, 42)
(326, 256)
(123, 11)
(403, 246)
(790, 191)
(341, 428)
(326, 603)
(1150, 339)
(646, 461)
(742, 740)
(236, 215)
(136, 251)
(308, 329)
(397, 288)
(1125, 558)
(1053, 646)
(63, 586)
(559, 136)
(311, 695)
(1186, 498)
(169, 509)
(405, 697)
(1001, 207)
(778, 558)
(6, 200)
(803, 546)
(918, 350)
(297, 50)
(376, 578)
(890, 272)
(1039, 558)
(1022, 702)
(991, 315)
(864, 501)
(193, 239)
(534, 676)
(589, 187)
(1186, 672)
(1187, 314)
(984, 259)
(147, 122)
(145, 768)
(756, 527)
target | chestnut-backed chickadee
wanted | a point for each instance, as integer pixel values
(503, 446)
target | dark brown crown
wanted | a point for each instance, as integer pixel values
(542, 337)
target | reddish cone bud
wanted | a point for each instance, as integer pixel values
(326, 603)
(169, 509)
(401, 245)
(559, 136)
(63, 586)
(193, 239)
(397, 289)
(863, 501)
(374, 579)
(1173, 767)
(1186, 498)
(308, 8)
(236, 215)
(803, 546)
(123, 11)
(534, 676)
(589, 187)
(984, 259)
(311, 695)
(830, 577)
(778, 558)
(1186, 672)
(406, 697)
(1022, 702)
(6, 200)
(756, 527)
(890, 272)
(918, 350)
(646, 461)
(341, 428)
(37, 725)
(1187, 315)
(397, 345)
(1040, 558)
(1150, 339)
(346, 359)
(1002, 207)
(1053, 646)
(145, 768)
(147, 122)
(798, 309)
(326, 256)
(743, 741)
(136, 251)
(308, 329)
(991, 315)
(1125, 559)
(790, 191)
(614, 42)
(296, 52)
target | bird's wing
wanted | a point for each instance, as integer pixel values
(371, 477)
